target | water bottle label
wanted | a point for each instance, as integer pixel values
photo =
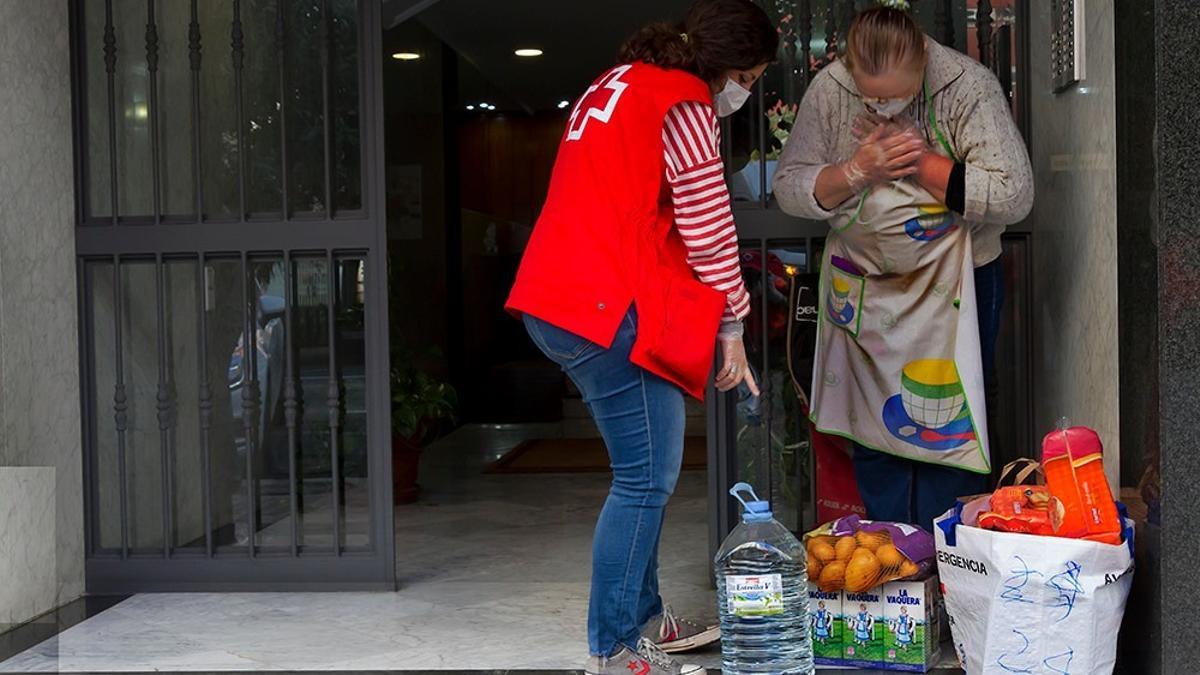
(755, 596)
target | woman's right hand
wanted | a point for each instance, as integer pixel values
(883, 157)
(735, 368)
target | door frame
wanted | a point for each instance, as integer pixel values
(332, 235)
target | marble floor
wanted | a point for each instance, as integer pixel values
(493, 573)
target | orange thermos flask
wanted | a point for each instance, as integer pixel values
(1081, 503)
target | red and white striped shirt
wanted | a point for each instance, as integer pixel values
(703, 216)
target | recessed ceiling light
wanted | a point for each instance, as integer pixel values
(528, 52)
(563, 104)
(406, 56)
(470, 107)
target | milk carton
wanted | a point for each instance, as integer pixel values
(913, 625)
(864, 628)
(826, 625)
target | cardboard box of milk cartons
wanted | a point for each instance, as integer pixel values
(864, 628)
(825, 625)
(913, 626)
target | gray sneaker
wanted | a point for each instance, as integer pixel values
(647, 660)
(673, 634)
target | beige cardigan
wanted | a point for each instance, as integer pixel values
(972, 113)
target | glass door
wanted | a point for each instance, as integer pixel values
(232, 300)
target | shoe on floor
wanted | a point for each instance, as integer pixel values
(647, 660)
(673, 634)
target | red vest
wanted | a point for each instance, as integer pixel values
(606, 237)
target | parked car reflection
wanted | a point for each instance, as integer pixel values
(266, 385)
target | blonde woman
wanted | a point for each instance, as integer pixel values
(909, 151)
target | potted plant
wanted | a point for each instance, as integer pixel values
(420, 404)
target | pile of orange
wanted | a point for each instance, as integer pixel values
(856, 562)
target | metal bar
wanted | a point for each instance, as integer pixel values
(943, 22)
(152, 70)
(299, 235)
(194, 59)
(120, 405)
(765, 372)
(805, 25)
(205, 402)
(762, 144)
(363, 103)
(754, 222)
(249, 399)
(847, 18)
(378, 360)
(80, 134)
(334, 396)
(238, 42)
(289, 398)
(87, 406)
(983, 30)
(831, 32)
(110, 67)
(326, 57)
(163, 403)
(281, 38)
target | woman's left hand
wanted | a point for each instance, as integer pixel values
(735, 369)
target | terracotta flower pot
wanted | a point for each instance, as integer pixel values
(406, 462)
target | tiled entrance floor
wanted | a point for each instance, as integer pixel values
(493, 572)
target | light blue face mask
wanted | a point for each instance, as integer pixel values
(891, 107)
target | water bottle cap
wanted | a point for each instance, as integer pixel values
(756, 510)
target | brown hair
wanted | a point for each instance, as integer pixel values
(882, 38)
(716, 36)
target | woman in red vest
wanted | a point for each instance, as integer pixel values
(631, 279)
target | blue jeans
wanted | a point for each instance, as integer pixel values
(898, 489)
(641, 418)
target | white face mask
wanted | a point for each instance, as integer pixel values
(731, 98)
(891, 107)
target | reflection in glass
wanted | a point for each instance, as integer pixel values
(343, 105)
(260, 100)
(175, 158)
(223, 316)
(317, 55)
(772, 431)
(218, 115)
(352, 365)
(143, 450)
(99, 197)
(310, 325)
(135, 187)
(106, 470)
(181, 325)
(303, 108)
(255, 381)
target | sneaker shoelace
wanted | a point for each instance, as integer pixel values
(650, 651)
(669, 629)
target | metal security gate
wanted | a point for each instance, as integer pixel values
(765, 441)
(232, 293)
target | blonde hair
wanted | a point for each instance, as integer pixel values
(882, 38)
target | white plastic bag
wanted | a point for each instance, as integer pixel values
(1021, 603)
